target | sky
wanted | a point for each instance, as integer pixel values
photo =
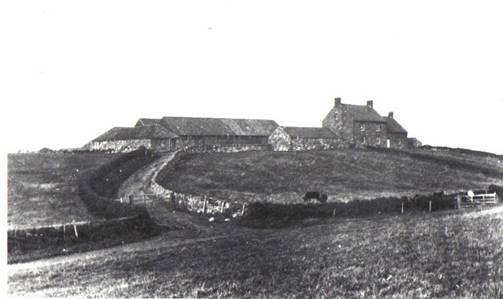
(71, 70)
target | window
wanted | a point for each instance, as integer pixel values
(362, 127)
(378, 141)
(336, 116)
(378, 128)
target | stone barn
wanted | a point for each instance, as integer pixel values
(125, 139)
(357, 125)
(397, 135)
(213, 133)
(303, 138)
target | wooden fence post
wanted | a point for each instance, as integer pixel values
(75, 229)
(429, 206)
(333, 212)
(64, 231)
(458, 201)
(402, 207)
(243, 210)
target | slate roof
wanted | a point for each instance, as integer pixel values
(126, 133)
(394, 127)
(147, 122)
(196, 126)
(309, 132)
(363, 113)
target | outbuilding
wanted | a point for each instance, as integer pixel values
(126, 139)
(303, 139)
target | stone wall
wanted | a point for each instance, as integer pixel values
(209, 141)
(340, 122)
(193, 203)
(122, 146)
(369, 134)
(164, 145)
(305, 144)
(280, 140)
(398, 140)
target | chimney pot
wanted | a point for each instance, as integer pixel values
(390, 115)
(337, 101)
(370, 104)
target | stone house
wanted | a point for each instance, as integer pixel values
(212, 133)
(357, 125)
(303, 138)
(125, 139)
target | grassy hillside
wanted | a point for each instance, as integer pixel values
(344, 174)
(416, 256)
(42, 188)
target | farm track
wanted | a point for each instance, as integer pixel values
(138, 184)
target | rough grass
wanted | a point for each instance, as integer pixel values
(345, 174)
(418, 256)
(42, 188)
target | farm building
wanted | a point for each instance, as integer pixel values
(122, 139)
(211, 133)
(303, 138)
(414, 143)
(361, 125)
(346, 125)
(397, 135)
(358, 125)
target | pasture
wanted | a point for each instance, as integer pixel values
(442, 255)
(42, 188)
(343, 174)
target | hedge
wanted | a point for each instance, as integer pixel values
(263, 214)
(98, 187)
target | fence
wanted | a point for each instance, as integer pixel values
(471, 200)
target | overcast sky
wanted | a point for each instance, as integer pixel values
(72, 70)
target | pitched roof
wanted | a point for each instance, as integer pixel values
(196, 126)
(309, 132)
(126, 133)
(147, 122)
(393, 126)
(363, 113)
(252, 127)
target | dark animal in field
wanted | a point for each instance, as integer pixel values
(319, 196)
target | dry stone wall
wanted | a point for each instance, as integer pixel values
(120, 146)
(193, 203)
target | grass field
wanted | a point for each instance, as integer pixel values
(448, 255)
(344, 174)
(42, 188)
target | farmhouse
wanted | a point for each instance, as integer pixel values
(361, 125)
(211, 133)
(358, 125)
(125, 139)
(303, 138)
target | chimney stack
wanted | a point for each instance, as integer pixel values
(337, 101)
(390, 115)
(370, 104)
